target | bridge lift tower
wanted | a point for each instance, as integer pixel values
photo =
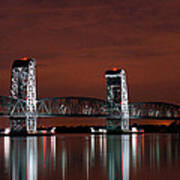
(117, 97)
(23, 86)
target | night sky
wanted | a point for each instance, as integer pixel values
(76, 41)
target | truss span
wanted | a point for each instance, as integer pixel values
(154, 110)
(87, 107)
(93, 107)
(72, 107)
(10, 107)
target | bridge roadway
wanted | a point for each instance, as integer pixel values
(87, 107)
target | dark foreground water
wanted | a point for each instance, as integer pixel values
(84, 157)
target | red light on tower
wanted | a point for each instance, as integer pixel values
(24, 58)
(114, 69)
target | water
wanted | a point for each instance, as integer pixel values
(85, 156)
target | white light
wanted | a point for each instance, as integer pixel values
(92, 129)
(53, 130)
(134, 129)
(104, 131)
(7, 131)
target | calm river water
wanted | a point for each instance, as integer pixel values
(85, 156)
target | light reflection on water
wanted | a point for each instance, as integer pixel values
(83, 156)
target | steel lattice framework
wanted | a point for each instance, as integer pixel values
(23, 86)
(23, 107)
(117, 97)
(87, 107)
(72, 106)
(154, 110)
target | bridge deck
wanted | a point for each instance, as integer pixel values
(87, 107)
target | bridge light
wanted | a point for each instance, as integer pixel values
(114, 69)
(24, 58)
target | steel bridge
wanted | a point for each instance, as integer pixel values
(87, 107)
(23, 107)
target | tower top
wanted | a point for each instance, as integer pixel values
(22, 62)
(114, 71)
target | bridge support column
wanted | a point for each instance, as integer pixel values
(18, 125)
(117, 97)
(31, 124)
(23, 86)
